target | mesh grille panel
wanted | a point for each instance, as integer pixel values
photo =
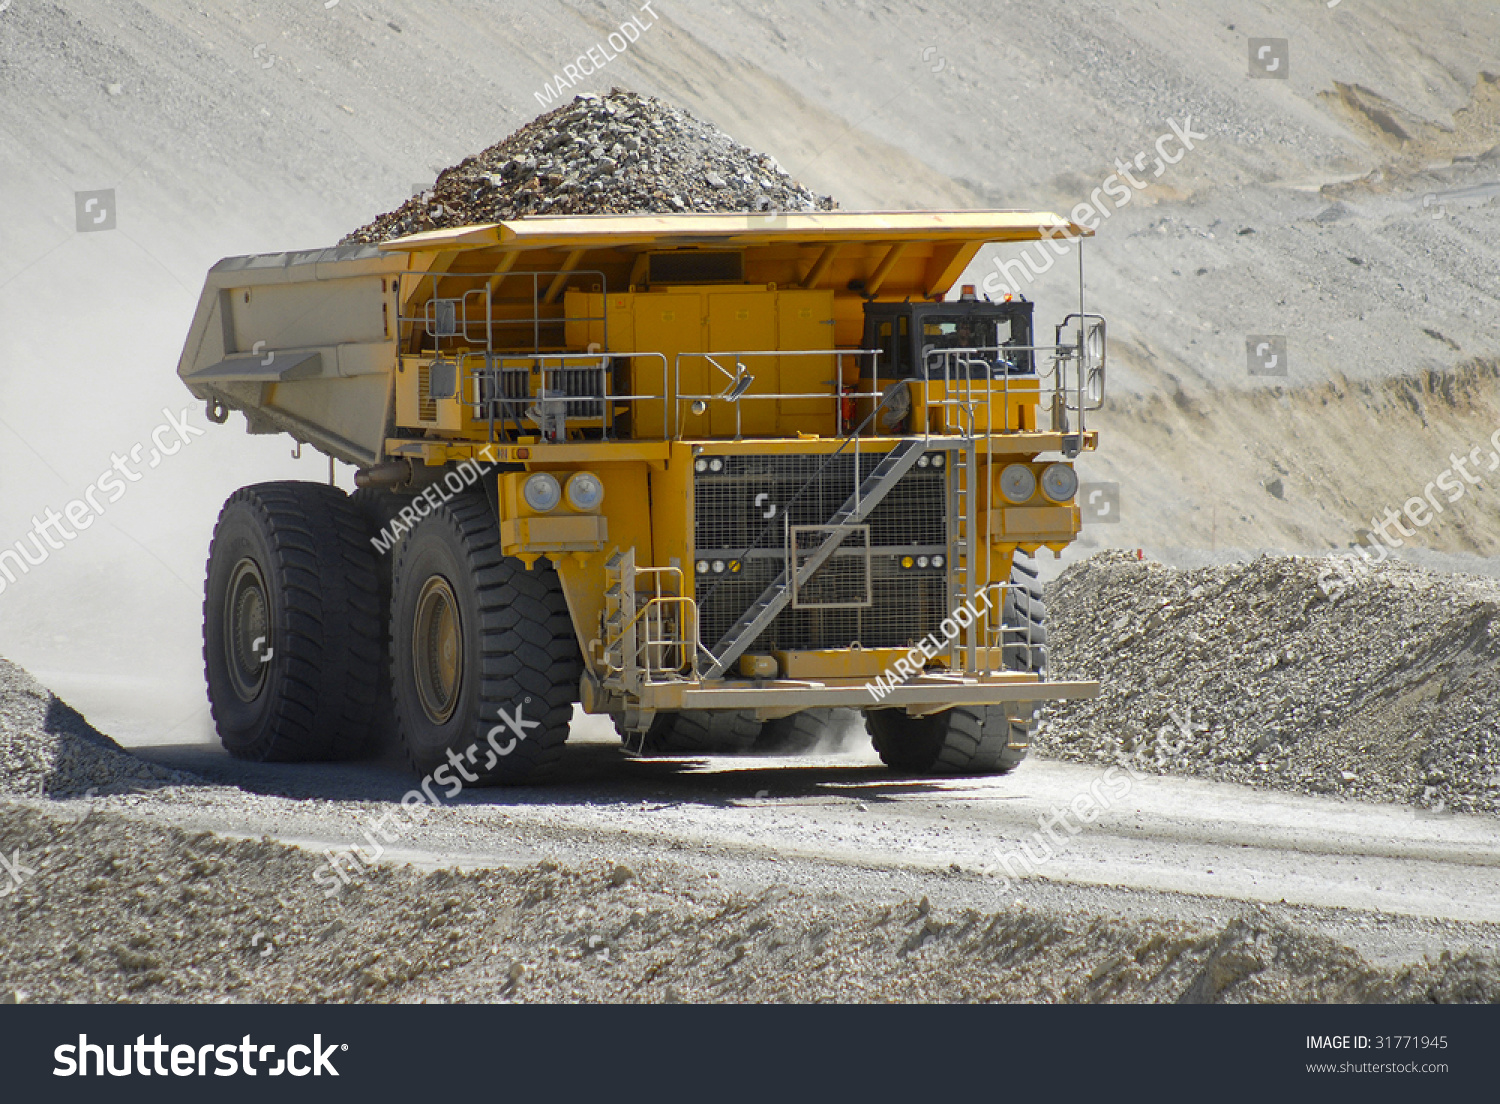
(749, 505)
(514, 393)
(844, 578)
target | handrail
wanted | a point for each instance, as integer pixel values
(652, 615)
(1070, 377)
(453, 322)
(737, 390)
(494, 366)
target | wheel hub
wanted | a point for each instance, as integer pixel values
(437, 650)
(247, 637)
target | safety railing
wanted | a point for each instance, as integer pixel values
(462, 312)
(658, 639)
(1003, 638)
(733, 367)
(553, 392)
(976, 378)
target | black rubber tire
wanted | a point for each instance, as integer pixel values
(314, 695)
(974, 739)
(698, 732)
(1025, 604)
(379, 508)
(518, 652)
(794, 735)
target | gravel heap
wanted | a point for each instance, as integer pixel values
(1386, 691)
(120, 909)
(46, 747)
(615, 154)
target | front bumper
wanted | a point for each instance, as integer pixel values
(930, 693)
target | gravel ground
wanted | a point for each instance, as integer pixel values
(46, 747)
(615, 154)
(102, 901)
(115, 910)
(1248, 672)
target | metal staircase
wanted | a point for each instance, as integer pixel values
(774, 598)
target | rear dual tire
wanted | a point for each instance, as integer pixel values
(696, 732)
(292, 625)
(316, 646)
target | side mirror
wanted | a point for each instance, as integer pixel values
(1096, 351)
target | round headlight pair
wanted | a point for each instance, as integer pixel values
(544, 494)
(1018, 483)
(718, 567)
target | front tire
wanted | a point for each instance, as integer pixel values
(477, 638)
(973, 739)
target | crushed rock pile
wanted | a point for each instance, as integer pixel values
(615, 154)
(1389, 690)
(46, 747)
(122, 910)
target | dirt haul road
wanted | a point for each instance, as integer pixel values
(1389, 880)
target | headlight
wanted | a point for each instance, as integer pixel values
(1017, 483)
(700, 465)
(716, 465)
(542, 491)
(937, 460)
(1059, 482)
(585, 491)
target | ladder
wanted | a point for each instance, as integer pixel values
(620, 648)
(962, 468)
(867, 495)
(963, 552)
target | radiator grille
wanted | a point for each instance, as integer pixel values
(426, 404)
(585, 389)
(750, 504)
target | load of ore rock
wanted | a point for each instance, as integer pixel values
(617, 154)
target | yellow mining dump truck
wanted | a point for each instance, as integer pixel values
(712, 475)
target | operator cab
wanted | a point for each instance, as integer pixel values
(965, 338)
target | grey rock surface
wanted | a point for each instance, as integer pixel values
(1382, 690)
(614, 154)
